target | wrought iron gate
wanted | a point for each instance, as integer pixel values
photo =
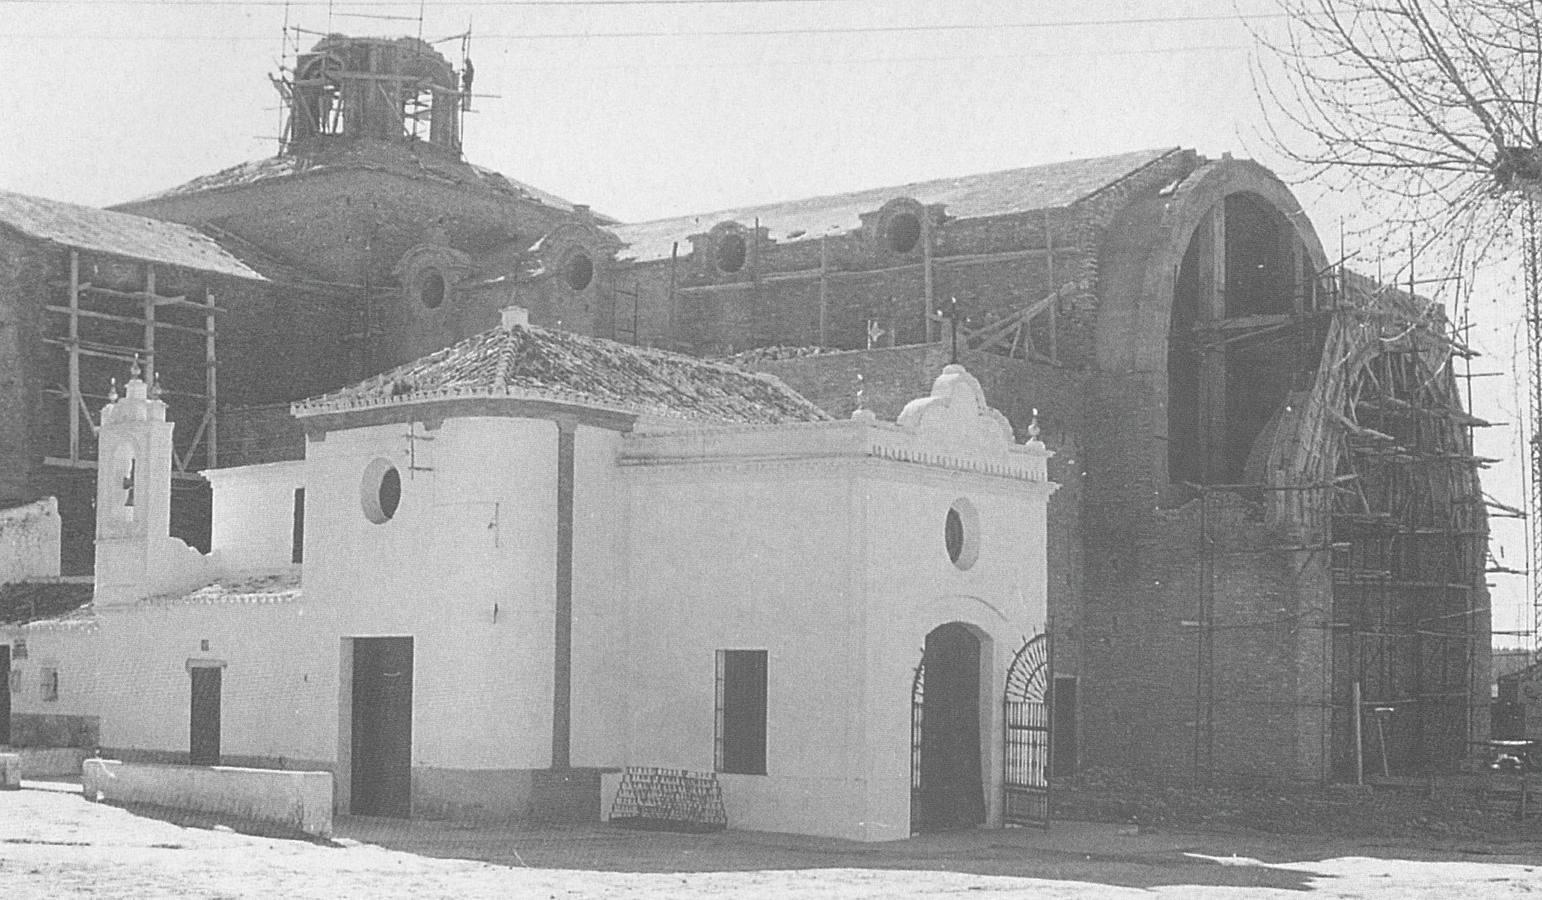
(917, 711)
(1027, 722)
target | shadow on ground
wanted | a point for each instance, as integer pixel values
(1072, 851)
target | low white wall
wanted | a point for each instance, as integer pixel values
(298, 800)
(252, 524)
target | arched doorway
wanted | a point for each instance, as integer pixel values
(946, 787)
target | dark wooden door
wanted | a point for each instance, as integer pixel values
(950, 791)
(5, 695)
(1063, 738)
(204, 717)
(382, 727)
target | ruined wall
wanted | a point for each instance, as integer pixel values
(23, 274)
(29, 541)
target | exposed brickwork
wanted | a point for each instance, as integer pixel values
(260, 434)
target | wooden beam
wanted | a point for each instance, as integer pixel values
(103, 351)
(928, 278)
(150, 302)
(824, 291)
(74, 350)
(211, 380)
(128, 320)
(1211, 235)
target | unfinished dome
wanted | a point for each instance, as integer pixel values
(386, 89)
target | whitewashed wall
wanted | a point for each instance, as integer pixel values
(474, 531)
(252, 525)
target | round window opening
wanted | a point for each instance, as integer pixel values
(961, 534)
(380, 491)
(431, 289)
(731, 253)
(904, 232)
(580, 271)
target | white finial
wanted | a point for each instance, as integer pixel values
(112, 389)
(862, 412)
(1034, 430)
(135, 372)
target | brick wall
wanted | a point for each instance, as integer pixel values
(990, 264)
(260, 434)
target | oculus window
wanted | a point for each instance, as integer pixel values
(380, 491)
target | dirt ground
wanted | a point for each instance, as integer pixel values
(53, 843)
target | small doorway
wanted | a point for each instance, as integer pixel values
(5, 695)
(947, 788)
(203, 725)
(381, 777)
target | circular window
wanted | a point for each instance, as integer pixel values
(380, 491)
(904, 232)
(731, 252)
(961, 533)
(580, 271)
(431, 289)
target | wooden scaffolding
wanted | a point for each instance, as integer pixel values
(105, 315)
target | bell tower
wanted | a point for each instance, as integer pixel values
(136, 556)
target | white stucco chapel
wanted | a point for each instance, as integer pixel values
(508, 574)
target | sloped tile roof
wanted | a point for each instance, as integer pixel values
(118, 234)
(22, 602)
(525, 361)
(1050, 186)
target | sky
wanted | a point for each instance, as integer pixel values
(645, 109)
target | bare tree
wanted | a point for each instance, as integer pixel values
(1430, 106)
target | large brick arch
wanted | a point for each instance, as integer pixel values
(1139, 262)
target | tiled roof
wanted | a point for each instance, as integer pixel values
(251, 588)
(22, 601)
(1050, 186)
(118, 234)
(419, 162)
(529, 362)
